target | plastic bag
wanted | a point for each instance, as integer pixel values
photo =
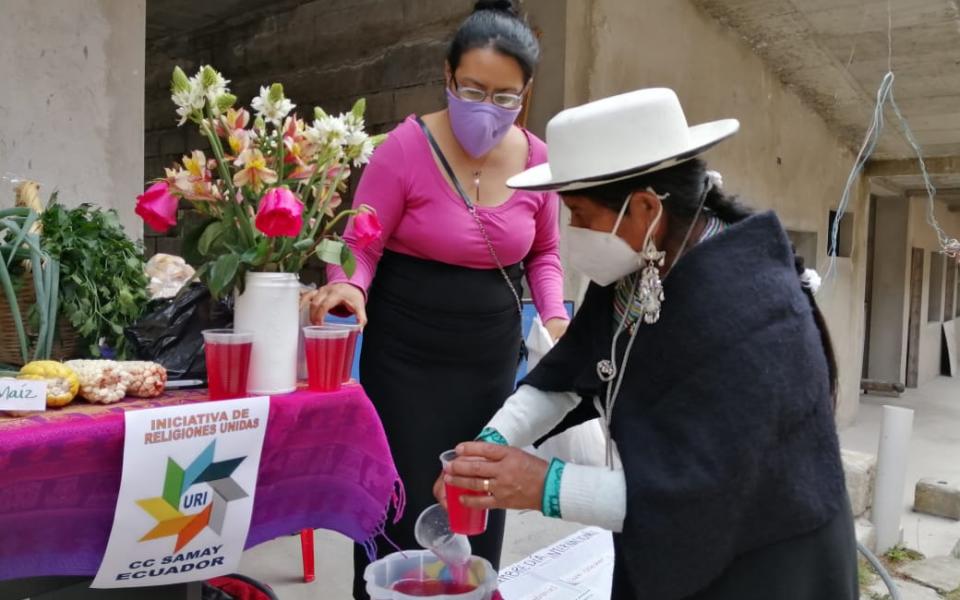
(170, 331)
(168, 274)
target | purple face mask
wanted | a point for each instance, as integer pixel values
(479, 126)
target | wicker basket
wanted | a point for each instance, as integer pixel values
(66, 344)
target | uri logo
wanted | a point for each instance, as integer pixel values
(204, 488)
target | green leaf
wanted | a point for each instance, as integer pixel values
(359, 107)
(348, 261)
(179, 82)
(222, 274)
(210, 236)
(11, 295)
(22, 235)
(102, 284)
(331, 252)
(257, 255)
(376, 140)
(19, 211)
(318, 113)
(191, 242)
(303, 244)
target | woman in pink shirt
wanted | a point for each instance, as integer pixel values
(440, 291)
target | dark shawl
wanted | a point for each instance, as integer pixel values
(724, 422)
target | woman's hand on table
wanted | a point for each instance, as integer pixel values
(556, 327)
(515, 478)
(333, 295)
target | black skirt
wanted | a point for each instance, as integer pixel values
(439, 357)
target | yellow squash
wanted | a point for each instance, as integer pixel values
(62, 383)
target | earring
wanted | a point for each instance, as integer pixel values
(650, 294)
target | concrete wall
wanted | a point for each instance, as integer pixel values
(784, 158)
(71, 100)
(890, 293)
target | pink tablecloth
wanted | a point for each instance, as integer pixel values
(325, 464)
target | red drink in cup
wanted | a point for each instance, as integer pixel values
(326, 349)
(228, 362)
(468, 521)
(354, 333)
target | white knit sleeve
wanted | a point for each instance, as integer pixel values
(593, 496)
(531, 413)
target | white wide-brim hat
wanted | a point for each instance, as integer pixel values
(617, 138)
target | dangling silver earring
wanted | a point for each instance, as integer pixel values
(650, 294)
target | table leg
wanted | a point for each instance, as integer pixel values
(306, 547)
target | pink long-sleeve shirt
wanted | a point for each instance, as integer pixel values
(423, 216)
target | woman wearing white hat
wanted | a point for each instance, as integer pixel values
(703, 351)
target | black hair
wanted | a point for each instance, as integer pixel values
(496, 24)
(685, 183)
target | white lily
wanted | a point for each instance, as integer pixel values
(189, 100)
(332, 131)
(272, 105)
(363, 152)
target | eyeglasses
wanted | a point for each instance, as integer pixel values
(501, 99)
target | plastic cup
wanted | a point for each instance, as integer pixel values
(228, 362)
(432, 531)
(468, 521)
(326, 350)
(354, 333)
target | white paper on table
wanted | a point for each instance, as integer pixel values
(578, 567)
(23, 394)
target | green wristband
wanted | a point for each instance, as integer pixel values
(551, 489)
(492, 436)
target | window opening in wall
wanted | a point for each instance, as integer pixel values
(844, 247)
(805, 243)
(957, 294)
(949, 290)
(935, 301)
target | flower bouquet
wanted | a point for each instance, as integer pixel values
(269, 198)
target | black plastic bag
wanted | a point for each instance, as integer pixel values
(169, 332)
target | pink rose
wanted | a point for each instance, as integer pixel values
(366, 229)
(280, 213)
(158, 207)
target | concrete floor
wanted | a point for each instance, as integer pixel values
(934, 452)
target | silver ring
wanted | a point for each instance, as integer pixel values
(486, 486)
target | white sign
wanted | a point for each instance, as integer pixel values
(186, 494)
(578, 567)
(23, 394)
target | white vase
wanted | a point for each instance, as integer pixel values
(269, 307)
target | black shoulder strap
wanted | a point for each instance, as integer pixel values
(443, 162)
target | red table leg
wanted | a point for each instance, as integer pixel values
(306, 545)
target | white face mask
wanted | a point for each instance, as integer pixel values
(606, 257)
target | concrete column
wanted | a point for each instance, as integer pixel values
(889, 290)
(71, 103)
